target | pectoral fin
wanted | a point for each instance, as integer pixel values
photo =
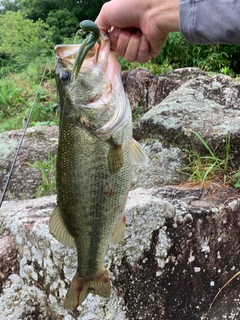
(115, 158)
(58, 229)
(138, 155)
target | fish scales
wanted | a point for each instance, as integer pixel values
(87, 193)
(96, 154)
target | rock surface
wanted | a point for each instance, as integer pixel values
(207, 105)
(182, 242)
(178, 252)
(37, 144)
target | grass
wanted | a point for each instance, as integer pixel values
(48, 171)
(210, 167)
(17, 93)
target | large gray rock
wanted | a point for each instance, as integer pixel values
(145, 90)
(37, 144)
(207, 105)
(182, 243)
(181, 247)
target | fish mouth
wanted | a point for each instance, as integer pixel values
(99, 56)
(67, 53)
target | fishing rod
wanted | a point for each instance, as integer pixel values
(26, 123)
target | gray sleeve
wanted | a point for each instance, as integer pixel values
(210, 21)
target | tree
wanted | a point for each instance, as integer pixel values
(63, 24)
(82, 9)
(9, 5)
(22, 39)
(62, 16)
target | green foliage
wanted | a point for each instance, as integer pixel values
(63, 24)
(48, 170)
(12, 102)
(23, 40)
(236, 179)
(11, 123)
(39, 9)
(45, 110)
(52, 12)
(10, 97)
(209, 167)
(226, 71)
(9, 5)
(179, 53)
(152, 66)
(17, 94)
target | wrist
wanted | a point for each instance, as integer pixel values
(165, 14)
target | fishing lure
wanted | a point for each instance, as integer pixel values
(87, 44)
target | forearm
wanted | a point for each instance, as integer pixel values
(210, 21)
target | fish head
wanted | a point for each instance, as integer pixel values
(94, 98)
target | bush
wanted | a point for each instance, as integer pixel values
(23, 40)
(179, 53)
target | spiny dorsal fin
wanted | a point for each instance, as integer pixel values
(138, 155)
(58, 229)
(81, 287)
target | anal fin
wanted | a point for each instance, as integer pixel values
(119, 232)
(58, 229)
(81, 287)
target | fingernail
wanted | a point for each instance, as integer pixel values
(143, 38)
(116, 32)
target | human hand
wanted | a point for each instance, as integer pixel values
(139, 28)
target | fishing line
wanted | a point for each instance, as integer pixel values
(23, 135)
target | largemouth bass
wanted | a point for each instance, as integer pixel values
(95, 158)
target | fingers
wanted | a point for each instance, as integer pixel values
(144, 53)
(125, 42)
(131, 44)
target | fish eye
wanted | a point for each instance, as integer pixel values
(66, 76)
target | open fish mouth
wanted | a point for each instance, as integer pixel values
(94, 53)
(67, 55)
(90, 47)
(68, 52)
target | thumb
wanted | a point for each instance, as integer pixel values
(102, 21)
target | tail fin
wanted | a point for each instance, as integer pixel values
(81, 287)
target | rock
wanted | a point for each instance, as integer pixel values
(37, 144)
(206, 105)
(164, 166)
(145, 90)
(178, 252)
(8, 256)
